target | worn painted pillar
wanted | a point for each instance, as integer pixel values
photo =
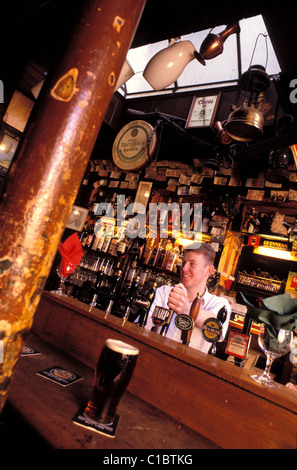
(44, 179)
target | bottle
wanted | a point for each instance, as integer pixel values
(90, 236)
(156, 247)
(122, 246)
(84, 235)
(172, 257)
(148, 250)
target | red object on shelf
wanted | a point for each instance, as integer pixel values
(71, 254)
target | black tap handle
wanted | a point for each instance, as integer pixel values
(222, 314)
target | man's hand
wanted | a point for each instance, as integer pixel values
(178, 299)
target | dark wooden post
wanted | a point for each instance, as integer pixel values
(45, 177)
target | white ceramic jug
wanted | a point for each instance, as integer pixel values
(126, 73)
(165, 67)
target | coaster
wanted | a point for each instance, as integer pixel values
(106, 429)
(59, 375)
(28, 351)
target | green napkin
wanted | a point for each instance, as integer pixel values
(278, 312)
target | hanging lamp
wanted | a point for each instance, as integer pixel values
(246, 122)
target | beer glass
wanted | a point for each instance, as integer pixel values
(113, 372)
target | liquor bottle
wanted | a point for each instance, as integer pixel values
(160, 255)
(145, 311)
(122, 246)
(156, 247)
(179, 261)
(172, 257)
(148, 250)
(90, 235)
(84, 234)
(168, 250)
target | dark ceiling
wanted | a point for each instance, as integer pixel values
(34, 31)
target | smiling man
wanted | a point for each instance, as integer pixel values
(196, 268)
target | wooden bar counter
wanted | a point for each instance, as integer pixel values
(211, 397)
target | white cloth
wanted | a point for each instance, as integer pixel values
(210, 305)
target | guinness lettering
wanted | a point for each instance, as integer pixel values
(273, 244)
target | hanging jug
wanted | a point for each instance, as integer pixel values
(166, 66)
(213, 44)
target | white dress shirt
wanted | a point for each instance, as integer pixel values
(210, 305)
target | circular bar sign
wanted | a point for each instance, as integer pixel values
(134, 145)
(184, 322)
(212, 330)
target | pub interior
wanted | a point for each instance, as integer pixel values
(189, 110)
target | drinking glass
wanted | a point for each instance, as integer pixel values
(273, 347)
(67, 268)
(113, 372)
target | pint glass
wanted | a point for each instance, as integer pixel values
(113, 372)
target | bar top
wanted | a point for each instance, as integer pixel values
(203, 392)
(209, 364)
(45, 409)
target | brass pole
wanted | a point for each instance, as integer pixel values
(44, 179)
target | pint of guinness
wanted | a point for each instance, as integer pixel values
(113, 372)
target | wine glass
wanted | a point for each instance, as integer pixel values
(273, 347)
(63, 271)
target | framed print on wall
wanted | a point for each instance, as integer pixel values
(77, 218)
(203, 110)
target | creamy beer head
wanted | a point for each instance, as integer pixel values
(121, 347)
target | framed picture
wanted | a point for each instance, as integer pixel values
(143, 193)
(77, 218)
(9, 141)
(203, 110)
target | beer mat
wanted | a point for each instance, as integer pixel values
(28, 351)
(107, 430)
(59, 375)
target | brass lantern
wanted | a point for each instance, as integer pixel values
(246, 122)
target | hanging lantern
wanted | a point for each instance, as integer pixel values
(278, 161)
(246, 122)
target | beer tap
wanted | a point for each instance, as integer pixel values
(221, 318)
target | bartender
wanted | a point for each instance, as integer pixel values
(197, 266)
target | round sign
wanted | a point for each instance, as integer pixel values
(184, 322)
(134, 145)
(212, 330)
